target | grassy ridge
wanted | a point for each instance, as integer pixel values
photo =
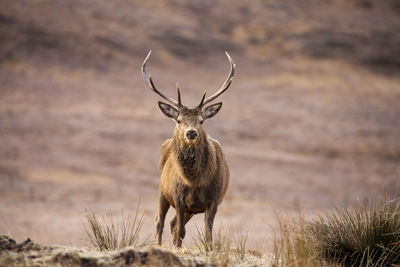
(228, 246)
(360, 236)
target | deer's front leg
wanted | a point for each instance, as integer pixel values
(180, 224)
(188, 216)
(209, 220)
(163, 207)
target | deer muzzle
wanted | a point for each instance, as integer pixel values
(191, 134)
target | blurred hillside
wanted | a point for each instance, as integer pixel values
(311, 120)
(106, 36)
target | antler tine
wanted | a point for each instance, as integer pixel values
(179, 94)
(202, 99)
(150, 83)
(226, 84)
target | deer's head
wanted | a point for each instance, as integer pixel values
(189, 121)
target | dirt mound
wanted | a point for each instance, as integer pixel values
(9, 244)
(29, 253)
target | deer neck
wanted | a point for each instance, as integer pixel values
(192, 158)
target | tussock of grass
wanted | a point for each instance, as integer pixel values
(360, 236)
(363, 236)
(110, 234)
(292, 248)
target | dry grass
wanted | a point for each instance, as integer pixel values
(362, 236)
(218, 250)
(292, 248)
(111, 234)
(228, 246)
(240, 240)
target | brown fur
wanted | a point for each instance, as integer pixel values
(194, 177)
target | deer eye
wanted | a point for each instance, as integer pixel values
(178, 120)
(201, 121)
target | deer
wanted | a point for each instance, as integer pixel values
(194, 171)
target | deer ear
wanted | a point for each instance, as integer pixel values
(211, 110)
(168, 110)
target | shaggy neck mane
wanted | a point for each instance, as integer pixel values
(192, 158)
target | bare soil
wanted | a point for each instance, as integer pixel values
(28, 253)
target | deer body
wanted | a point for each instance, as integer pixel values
(198, 175)
(194, 172)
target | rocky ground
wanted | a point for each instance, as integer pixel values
(28, 253)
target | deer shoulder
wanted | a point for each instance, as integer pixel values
(166, 149)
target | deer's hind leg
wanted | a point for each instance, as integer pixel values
(163, 206)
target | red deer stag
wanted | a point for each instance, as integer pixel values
(194, 173)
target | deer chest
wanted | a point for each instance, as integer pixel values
(197, 199)
(190, 163)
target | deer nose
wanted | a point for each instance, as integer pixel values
(191, 134)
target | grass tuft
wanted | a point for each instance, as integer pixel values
(292, 248)
(240, 240)
(110, 234)
(218, 250)
(362, 236)
(226, 248)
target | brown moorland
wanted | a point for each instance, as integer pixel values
(311, 120)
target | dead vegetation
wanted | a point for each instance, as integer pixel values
(110, 233)
(227, 248)
(363, 235)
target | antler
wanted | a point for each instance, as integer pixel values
(150, 83)
(223, 88)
